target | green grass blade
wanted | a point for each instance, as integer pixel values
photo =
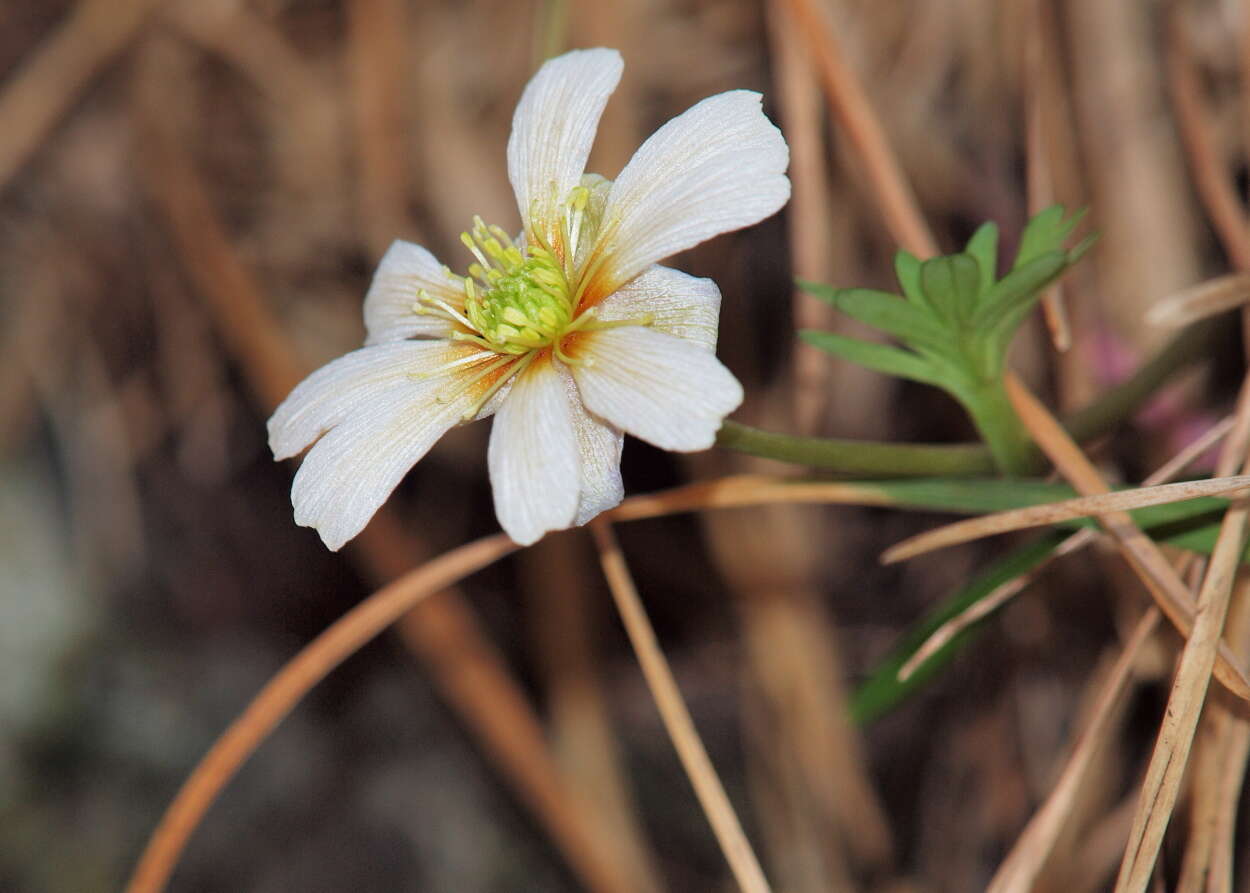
(883, 691)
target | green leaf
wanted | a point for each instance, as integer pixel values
(882, 310)
(1006, 303)
(1045, 233)
(983, 247)
(907, 269)
(880, 357)
(883, 691)
(1081, 247)
(951, 283)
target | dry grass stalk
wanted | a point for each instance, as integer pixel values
(1219, 759)
(1056, 512)
(94, 33)
(1166, 771)
(1019, 871)
(1039, 99)
(849, 105)
(553, 575)
(1000, 596)
(1215, 188)
(1205, 299)
(711, 793)
(1167, 765)
(1142, 554)
(809, 217)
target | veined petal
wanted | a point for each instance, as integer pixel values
(533, 456)
(352, 383)
(404, 271)
(599, 448)
(676, 302)
(656, 386)
(350, 472)
(552, 130)
(717, 167)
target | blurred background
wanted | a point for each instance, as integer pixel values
(193, 195)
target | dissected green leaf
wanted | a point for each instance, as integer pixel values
(883, 691)
(882, 310)
(907, 269)
(1045, 233)
(951, 283)
(1017, 291)
(882, 358)
(983, 247)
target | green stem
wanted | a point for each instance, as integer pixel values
(863, 458)
(996, 420)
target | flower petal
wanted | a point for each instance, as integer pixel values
(599, 447)
(717, 167)
(404, 270)
(351, 383)
(656, 386)
(350, 472)
(533, 456)
(677, 303)
(552, 130)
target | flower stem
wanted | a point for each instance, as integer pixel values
(681, 729)
(864, 458)
(1000, 429)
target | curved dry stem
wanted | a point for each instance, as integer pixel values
(376, 613)
(285, 690)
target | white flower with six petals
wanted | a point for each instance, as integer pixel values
(569, 335)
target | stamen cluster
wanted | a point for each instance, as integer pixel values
(517, 302)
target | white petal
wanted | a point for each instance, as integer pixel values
(553, 128)
(656, 386)
(352, 382)
(350, 472)
(404, 270)
(599, 447)
(717, 167)
(677, 303)
(533, 456)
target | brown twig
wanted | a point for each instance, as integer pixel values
(1215, 187)
(1018, 872)
(1000, 596)
(1039, 89)
(1056, 512)
(685, 737)
(850, 106)
(1166, 771)
(808, 216)
(1166, 587)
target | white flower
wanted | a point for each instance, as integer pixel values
(569, 335)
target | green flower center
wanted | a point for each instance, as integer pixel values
(516, 302)
(528, 306)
